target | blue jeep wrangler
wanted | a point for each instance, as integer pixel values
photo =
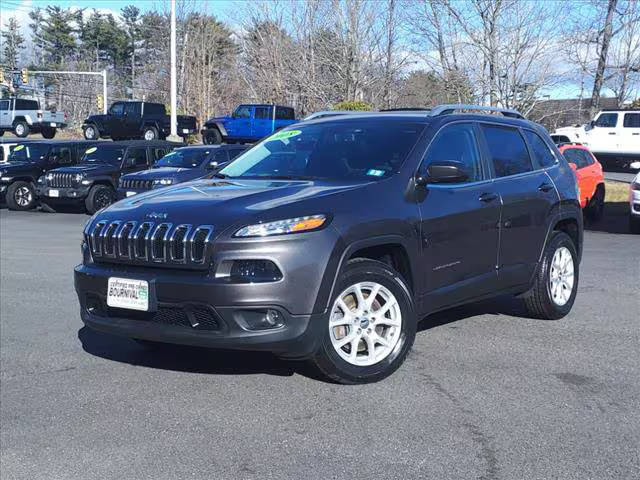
(248, 124)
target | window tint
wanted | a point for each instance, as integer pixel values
(154, 109)
(234, 152)
(262, 113)
(157, 153)
(632, 120)
(580, 157)
(220, 156)
(60, 155)
(540, 150)
(26, 104)
(558, 139)
(284, 113)
(117, 109)
(137, 157)
(587, 159)
(131, 109)
(242, 112)
(607, 120)
(4, 105)
(456, 143)
(507, 149)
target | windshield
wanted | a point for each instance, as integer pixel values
(28, 153)
(352, 149)
(103, 154)
(183, 158)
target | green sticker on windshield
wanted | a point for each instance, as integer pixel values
(18, 148)
(375, 173)
(284, 135)
(91, 150)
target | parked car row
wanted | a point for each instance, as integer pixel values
(95, 174)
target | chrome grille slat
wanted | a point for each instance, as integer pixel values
(150, 243)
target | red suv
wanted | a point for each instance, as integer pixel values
(590, 178)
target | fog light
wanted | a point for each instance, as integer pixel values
(258, 271)
(259, 319)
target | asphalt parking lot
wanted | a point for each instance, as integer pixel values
(486, 393)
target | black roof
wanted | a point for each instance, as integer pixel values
(141, 143)
(204, 147)
(60, 142)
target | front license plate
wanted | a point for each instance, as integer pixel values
(130, 194)
(52, 124)
(127, 293)
(54, 193)
(185, 130)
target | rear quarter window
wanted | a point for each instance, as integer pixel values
(632, 120)
(507, 149)
(540, 150)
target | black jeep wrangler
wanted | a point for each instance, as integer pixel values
(332, 238)
(93, 182)
(27, 162)
(136, 120)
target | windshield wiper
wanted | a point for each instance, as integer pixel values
(288, 177)
(220, 175)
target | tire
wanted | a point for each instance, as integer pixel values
(541, 301)
(91, 132)
(21, 196)
(595, 208)
(100, 196)
(1, 133)
(21, 129)
(212, 137)
(336, 361)
(634, 224)
(48, 133)
(150, 133)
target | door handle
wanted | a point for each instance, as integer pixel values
(545, 187)
(635, 134)
(612, 133)
(488, 197)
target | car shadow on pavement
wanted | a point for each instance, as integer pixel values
(614, 220)
(502, 305)
(187, 359)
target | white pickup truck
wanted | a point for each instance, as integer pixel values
(22, 116)
(612, 133)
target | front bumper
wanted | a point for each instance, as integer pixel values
(634, 202)
(64, 194)
(128, 192)
(297, 337)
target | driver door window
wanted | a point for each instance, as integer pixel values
(60, 156)
(117, 109)
(243, 112)
(136, 159)
(456, 143)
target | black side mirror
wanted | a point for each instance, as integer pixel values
(443, 172)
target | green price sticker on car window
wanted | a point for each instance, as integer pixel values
(18, 148)
(91, 150)
(284, 135)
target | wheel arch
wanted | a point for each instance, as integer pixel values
(389, 249)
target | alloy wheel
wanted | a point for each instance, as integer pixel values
(365, 323)
(561, 276)
(23, 196)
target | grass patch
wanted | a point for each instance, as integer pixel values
(616, 192)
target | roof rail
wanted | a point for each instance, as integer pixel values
(449, 109)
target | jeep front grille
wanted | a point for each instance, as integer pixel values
(137, 184)
(62, 180)
(150, 243)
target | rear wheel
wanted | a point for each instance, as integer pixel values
(21, 129)
(556, 281)
(48, 132)
(370, 327)
(595, 208)
(100, 196)
(91, 132)
(150, 133)
(21, 196)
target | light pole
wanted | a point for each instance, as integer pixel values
(174, 81)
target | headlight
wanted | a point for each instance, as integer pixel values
(291, 225)
(163, 181)
(78, 177)
(41, 179)
(49, 177)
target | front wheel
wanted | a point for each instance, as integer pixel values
(212, 137)
(21, 196)
(370, 327)
(91, 132)
(100, 196)
(556, 281)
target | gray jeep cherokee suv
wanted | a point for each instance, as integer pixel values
(331, 239)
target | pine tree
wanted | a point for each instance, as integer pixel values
(13, 44)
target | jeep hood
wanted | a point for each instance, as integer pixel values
(166, 172)
(227, 202)
(213, 120)
(89, 169)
